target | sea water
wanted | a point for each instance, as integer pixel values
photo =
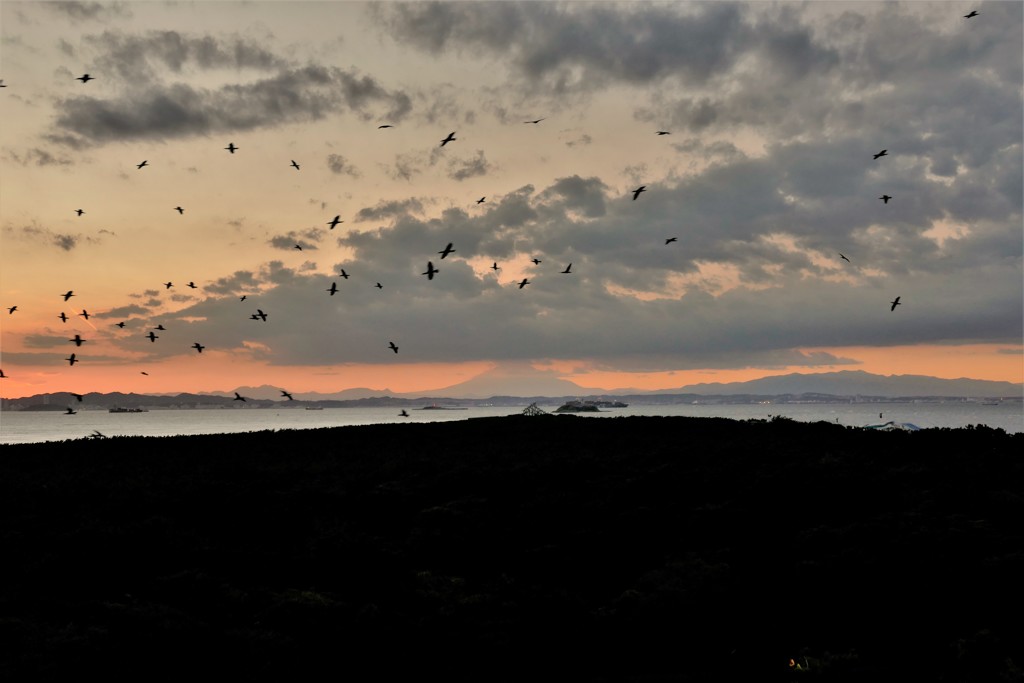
(32, 426)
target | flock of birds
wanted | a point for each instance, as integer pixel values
(430, 272)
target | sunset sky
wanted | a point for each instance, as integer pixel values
(774, 112)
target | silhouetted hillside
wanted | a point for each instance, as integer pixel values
(501, 549)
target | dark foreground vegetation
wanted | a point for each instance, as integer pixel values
(544, 548)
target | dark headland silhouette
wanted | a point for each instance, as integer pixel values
(519, 548)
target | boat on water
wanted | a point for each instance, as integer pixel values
(118, 409)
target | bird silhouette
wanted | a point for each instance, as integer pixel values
(168, 285)
(534, 121)
(120, 324)
(403, 413)
(97, 434)
(384, 125)
(261, 315)
(334, 288)
(11, 310)
(844, 257)
(143, 372)
(895, 302)
(231, 147)
(68, 294)
(179, 210)
(669, 240)
(198, 347)
(191, 285)
(144, 163)
(450, 138)
(973, 13)
(295, 165)
(344, 274)
(334, 222)
(285, 394)
(379, 286)
(637, 191)
(447, 250)
(239, 397)
(662, 132)
(494, 266)
(160, 327)
(523, 283)
(881, 154)
(2, 375)
(568, 269)
(299, 247)
(70, 411)
(85, 78)
(78, 340)
(152, 336)
(84, 314)
(481, 200)
(243, 297)
(78, 397)
(391, 345)
(536, 261)
(431, 270)
(79, 212)
(71, 359)
(63, 318)
(885, 198)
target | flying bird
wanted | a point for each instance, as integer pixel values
(669, 240)
(198, 347)
(637, 191)
(160, 326)
(523, 283)
(152, 336)
(844, 257)
(534, 121)
(481, 200)
(78, 340)
(895, 302)
(63, 318)
(231, 147)
(191, 285)
(295, 165)
(179, 210)
(239, 397)
(299, 247)
(68, 294)
(391, 345)
(70, 411)
(11, 310)
(2, 375)
(334, 288)
(494, 266)
(168, 285)
(403, 413)
(144, 163)
(71, 359)
(663, 132)
(84, 314)
(334, 222)
(143, 372)
(261, 315)
(97, 434)
(885, 198)
(973, 13)
(379, 286)
(450, 138)
(384, 125)
(447, 250)
(881, 154)
(243, 297)
(85, 78)
(120, 324)
(78, 397)
(568, 269)
(285, 394)
(79, 212)
(431, 270)
(344, 274)
(536, 261)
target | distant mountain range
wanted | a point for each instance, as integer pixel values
(505, 385)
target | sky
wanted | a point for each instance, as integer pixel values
(765, 179)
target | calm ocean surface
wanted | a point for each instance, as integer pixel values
(28, 427)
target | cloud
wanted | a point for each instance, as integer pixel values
(39, 157)
(339, 165)
(90, 11)
(388, 209)
(307, 239)
(156, 111)
(37, 233)
(461, 169)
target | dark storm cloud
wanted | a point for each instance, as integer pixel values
(178, 110)
(461, 169)
(339, 165)
(585, 195)
(240, 280)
